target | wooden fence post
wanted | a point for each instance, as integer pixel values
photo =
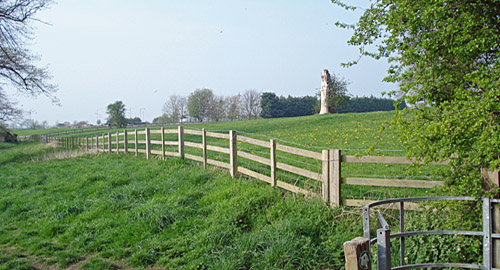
(109, 143)
(335, 195)
(357, 254)
(103, 149)
(204, 143)
(148, 143)
(181, 142)
(136, 142)
(125, 141)
(490, 179)
(272, 145)
(117, 142)
(87, 143)
(495, 219)
(325, 175)
(162, 143)
(97, 143)
(233, 153)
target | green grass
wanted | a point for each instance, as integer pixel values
(333, 131)
(350, 131)
(10, 152)
(353, 133)
(113, 211)
(29, 132)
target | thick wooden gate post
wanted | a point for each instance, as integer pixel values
(233, 153)
(335, 178)
(325, 175)
(181, 141)
(272, 145)
(357, 254)
(496, 229)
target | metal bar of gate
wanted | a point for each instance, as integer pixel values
(487, 241)
(402, 230)
(383, 244)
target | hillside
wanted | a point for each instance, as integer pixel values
(335, 131)
(118, 212)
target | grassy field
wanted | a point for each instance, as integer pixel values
(354, 133)
(350, 131)
(66, 210)
(29, 132)
(119, 212)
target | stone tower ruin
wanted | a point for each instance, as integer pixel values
(325, 91)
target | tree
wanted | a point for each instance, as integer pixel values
(370, 104)
(174, 108)
(116, 114)
(233, 107)
(217, 108)
(445, 57)
(16, 62)
(270, 105)
(198, 104)
(134, 120)
(8, 109)
(273, 106)
(161, 119)
(337, 94)
(250, 103)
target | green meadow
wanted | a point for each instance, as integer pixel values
(66, 209)
(350, 131)
(101, 211)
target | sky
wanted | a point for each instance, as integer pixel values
(141, 52)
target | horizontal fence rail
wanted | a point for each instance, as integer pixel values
(310, 172)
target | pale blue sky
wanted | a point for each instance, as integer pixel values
(140, 52)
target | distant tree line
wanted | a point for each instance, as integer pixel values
(368, 104)
(273, 106)
(203, 105)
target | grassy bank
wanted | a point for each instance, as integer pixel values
(335, 131)
(117, 211)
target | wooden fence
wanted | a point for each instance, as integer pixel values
(321, 176)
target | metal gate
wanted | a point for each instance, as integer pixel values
(384, 234)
